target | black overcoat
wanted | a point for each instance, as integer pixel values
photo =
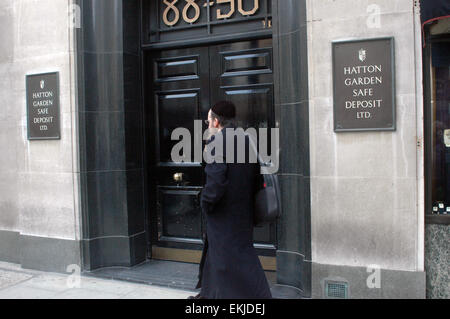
(230, 267)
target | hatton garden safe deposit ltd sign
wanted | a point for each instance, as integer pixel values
(363, 76)
(43, 106)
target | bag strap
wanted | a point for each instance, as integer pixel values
(262, 164)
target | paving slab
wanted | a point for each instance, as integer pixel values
(80, 293)
(18, 283)
(20, 292)
(157, 293)
(10, 278)
(53, 282)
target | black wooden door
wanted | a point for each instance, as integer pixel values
(241, 72)
(185, 83)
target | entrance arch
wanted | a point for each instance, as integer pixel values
(115, 209)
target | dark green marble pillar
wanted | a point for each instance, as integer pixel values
(111, 135)
(292, 108)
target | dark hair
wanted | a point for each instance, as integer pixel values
(223, 121)
(224, 112)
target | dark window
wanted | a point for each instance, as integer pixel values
(437, 126)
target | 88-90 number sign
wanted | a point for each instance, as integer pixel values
(191, 10)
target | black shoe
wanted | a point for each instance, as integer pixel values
(196, 297)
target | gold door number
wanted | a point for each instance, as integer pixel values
(191, 5)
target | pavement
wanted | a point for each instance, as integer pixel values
(18, 283)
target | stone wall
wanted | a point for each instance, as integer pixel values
(437, 259)
(38, 179)
(365, 186)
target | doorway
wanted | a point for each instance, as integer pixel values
(181, 86)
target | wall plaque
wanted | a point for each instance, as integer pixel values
(364, 85)
(42, 92)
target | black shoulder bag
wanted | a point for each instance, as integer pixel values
(267, 207)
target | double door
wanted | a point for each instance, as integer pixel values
(183, 84)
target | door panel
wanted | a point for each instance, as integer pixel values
(245, 62)
(178, 68)
(240, 64)
(178, 217)
(175, 109)
(253, 104)
(185, 83)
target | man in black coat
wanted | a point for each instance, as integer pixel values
(230, 267)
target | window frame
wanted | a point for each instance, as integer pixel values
(430, 218)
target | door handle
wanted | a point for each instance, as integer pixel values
(178, 177)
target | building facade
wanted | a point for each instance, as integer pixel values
(364, 210)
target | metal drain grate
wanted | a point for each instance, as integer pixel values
(334, 289)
